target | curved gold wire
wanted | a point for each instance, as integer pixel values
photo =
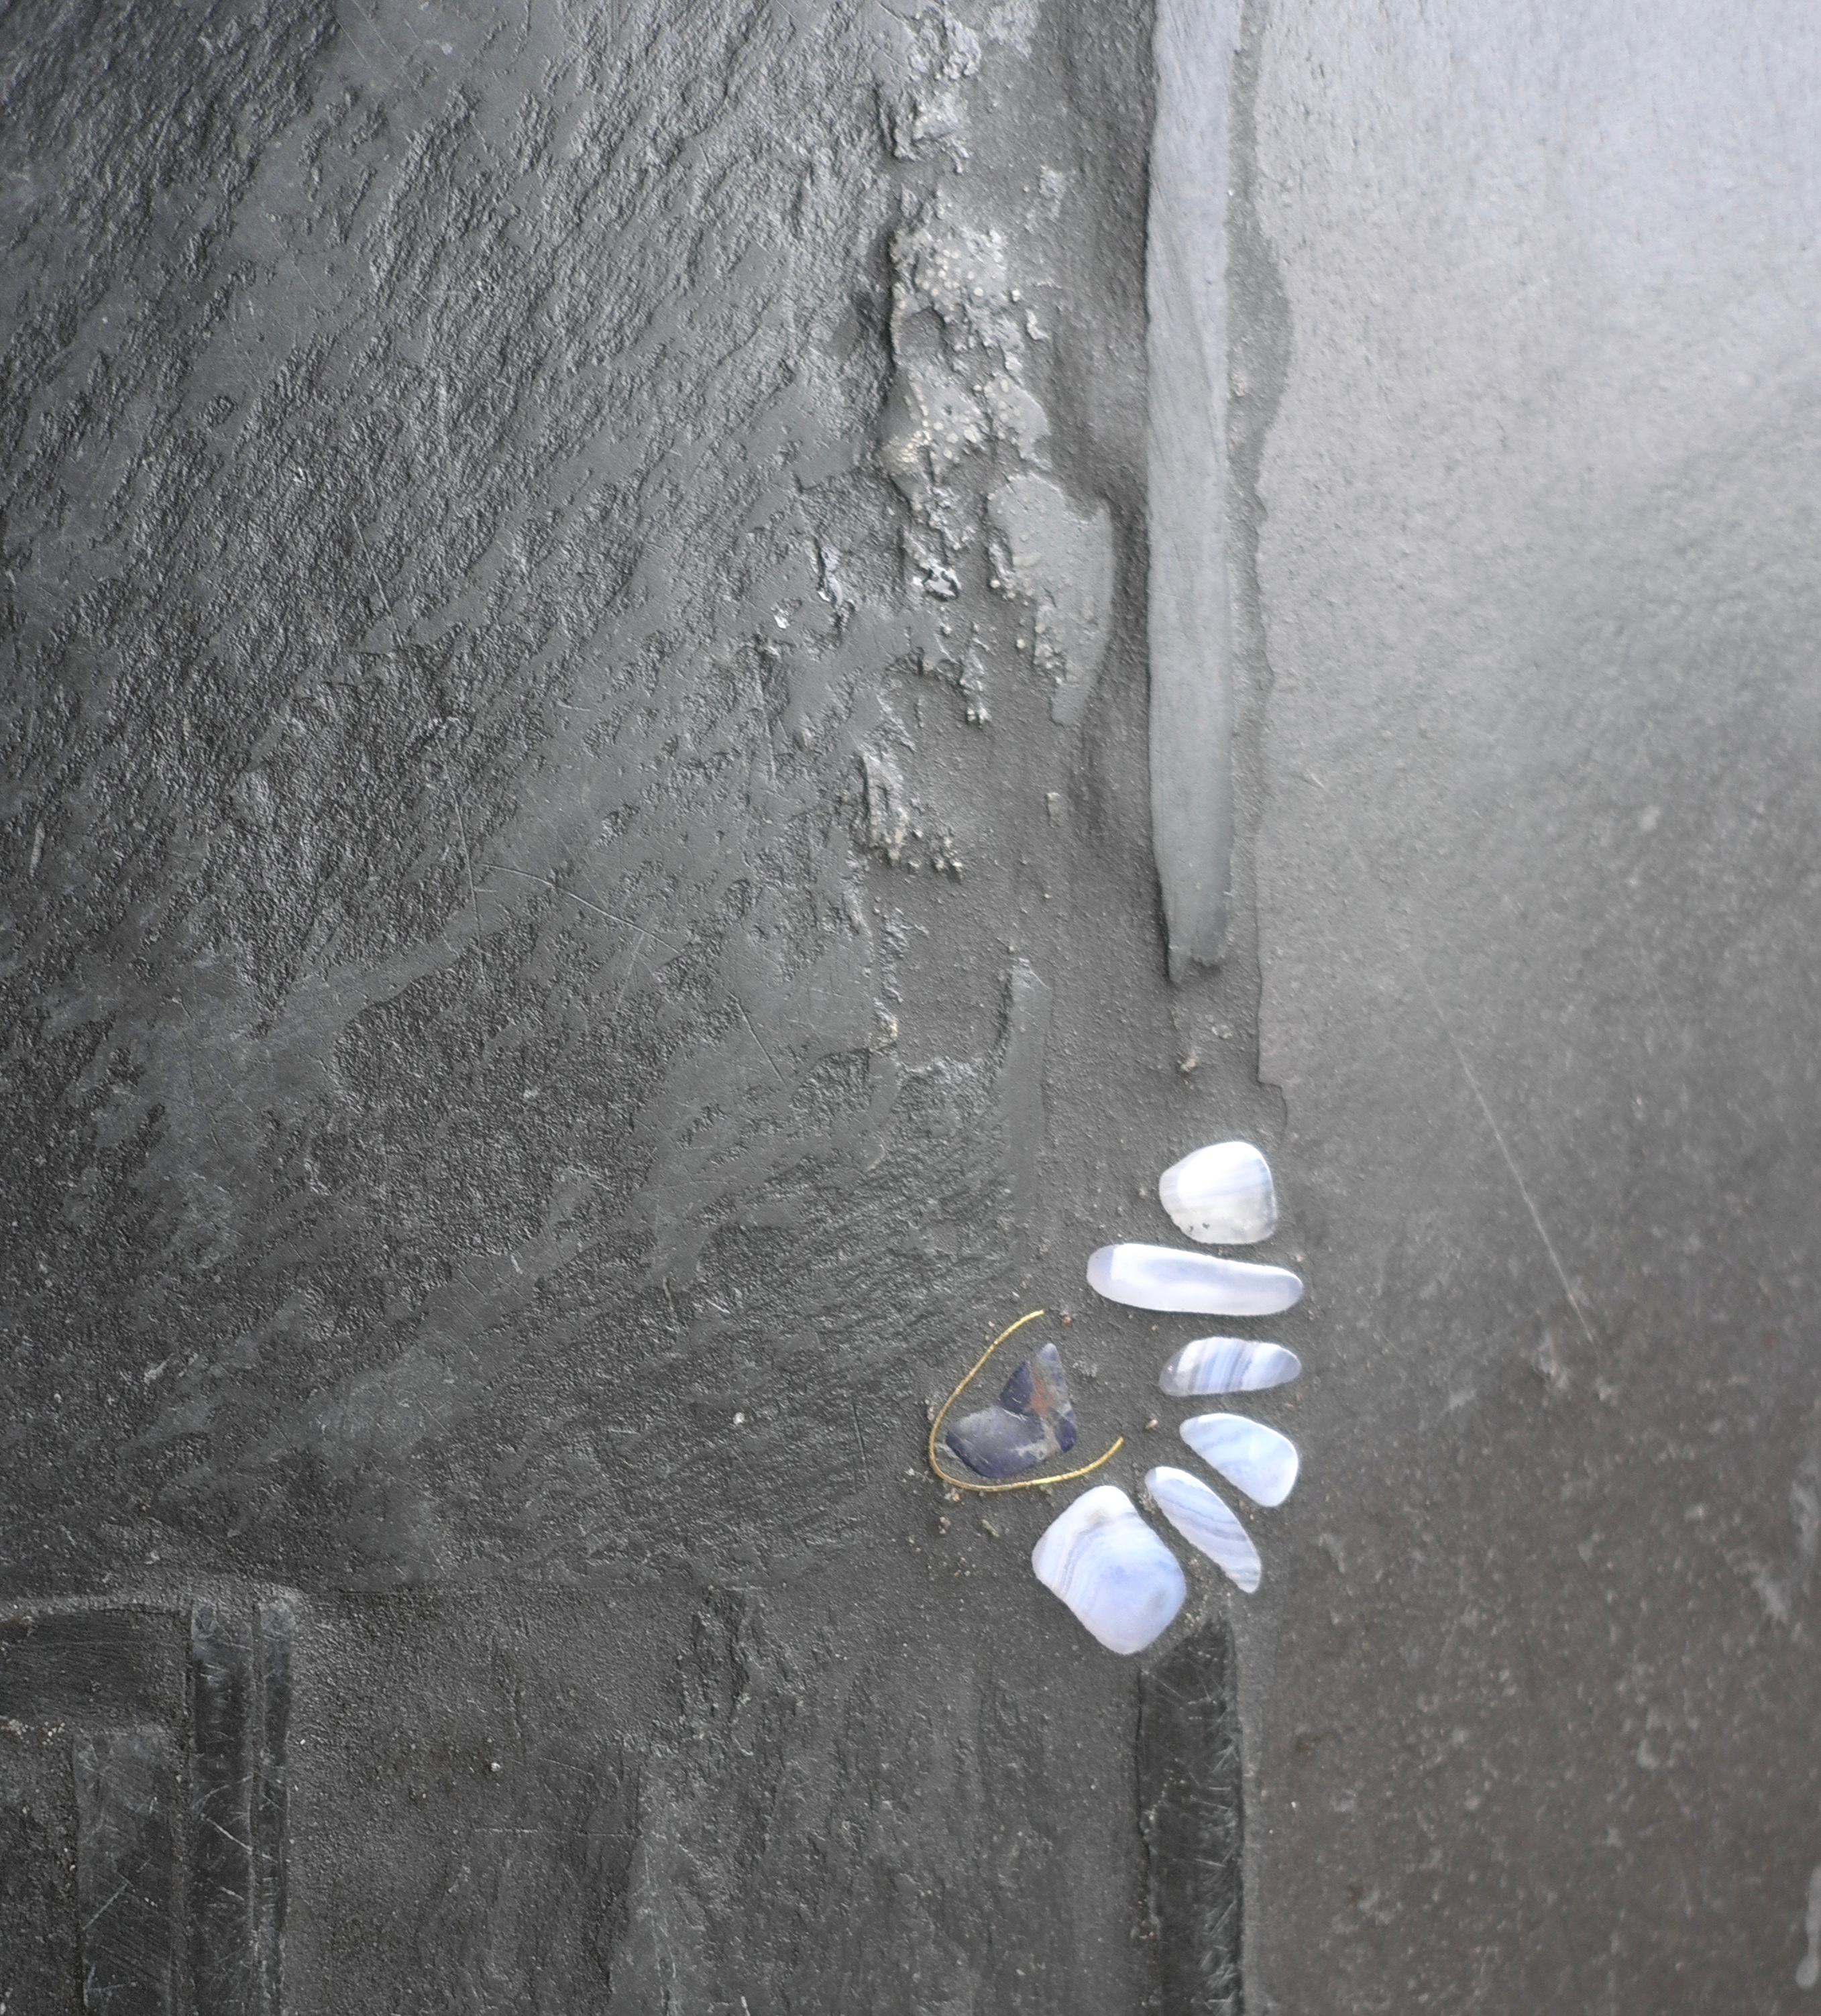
(1022, 1483)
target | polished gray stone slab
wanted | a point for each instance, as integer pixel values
(1542, 946)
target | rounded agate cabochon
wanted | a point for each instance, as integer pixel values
(1228, 1365)
(1221, 1195)
(1110, 1569)
(1262, 1463)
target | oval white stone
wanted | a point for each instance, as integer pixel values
(1222, 1195)
(1228, 1365)
(1165, 1277)
(1205, 1522)
(1110, 1569)
(1262, 1463)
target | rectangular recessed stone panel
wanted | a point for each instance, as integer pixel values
(1190, 1800)
(128, 1785)
(40, 1971)
(86, 1667)
(1189, 610)
(239, 1704)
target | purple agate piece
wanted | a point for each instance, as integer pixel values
(1032, 1420)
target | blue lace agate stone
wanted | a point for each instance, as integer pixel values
(1032, 1420)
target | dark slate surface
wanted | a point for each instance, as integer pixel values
(550, 1007)
(517, 947)
(128, 1859)
(1191, 1795)
(581, 932)
(38, 1916)
(145, 1775)
(238, 1722)
(106, 1667)
(1536, 1687)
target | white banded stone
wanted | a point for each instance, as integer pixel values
(1228, 1365)
(1166, 1277)
(1110, 1569)
(1204, 1521)
(1221, 1195)
(1262, 1463)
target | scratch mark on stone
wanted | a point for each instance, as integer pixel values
(764, 722)
(366, 554)
(859, 1439)
(385, 42)
(228, 1834)
(106, 1905)
(1460, 1057)
(760, 1040)
(633, 969)
(468, 863)
(380, 37)
(1497, 1133)
(195, 1092)
(613, 917)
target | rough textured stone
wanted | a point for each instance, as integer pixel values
(562, 978)
(535, 865)
(1191, 1803)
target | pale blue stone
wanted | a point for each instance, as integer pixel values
(1204, 1521)
(1228, 1365)
(1221, 1195)
(1110, 1569)
(1262, 1463)
(1166, 1277)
